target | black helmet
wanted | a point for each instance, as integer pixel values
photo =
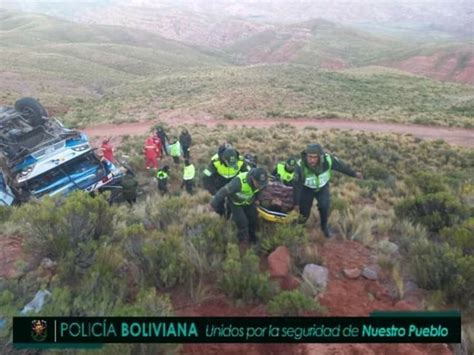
(230, 157)
(314, 149)
(290, 164)
(259, 176)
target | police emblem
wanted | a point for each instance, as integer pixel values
(39, 330)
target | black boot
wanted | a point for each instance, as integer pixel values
(326, 231)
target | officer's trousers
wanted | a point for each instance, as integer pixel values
(324, 202)
(245, 217)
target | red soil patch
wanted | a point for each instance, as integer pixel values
(10, 253)
(441, 66)
(343, 297)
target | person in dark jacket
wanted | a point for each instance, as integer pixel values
(242, 191)
(129, 188)
(311, 181)
(185, 140)
(160, 132)
(224, 166)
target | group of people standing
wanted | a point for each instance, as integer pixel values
(235, 180)
(158, 145)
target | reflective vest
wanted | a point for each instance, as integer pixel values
(189, 172)
(246, 194)
(161, 175)
(175, 149)
(285, 176)
(314, 181)
(224, 170)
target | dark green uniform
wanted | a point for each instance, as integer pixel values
(162, 178)
(129, 188)
(219, 173)
(241, 194)
(309, 184)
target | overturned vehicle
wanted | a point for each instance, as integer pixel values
(40, 157)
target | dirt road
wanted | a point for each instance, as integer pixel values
(455, 136)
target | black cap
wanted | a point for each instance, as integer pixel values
(291, 162)
(230, 157)
(260, 177)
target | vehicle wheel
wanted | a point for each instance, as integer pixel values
(31, 110)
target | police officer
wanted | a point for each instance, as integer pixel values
(285, 171)
(241, 191)
(311, 181)
(224, 166)
(162, 178)
(188, 176)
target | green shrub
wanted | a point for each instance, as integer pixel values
(5, 213)
(440, 267)
(274, 235)
(170, 261)
(405, 234)
(54, 227)
(356, 224)
(292, 303)
(376, 171)
(339, 204)
(161, 212)
(461, 237)
(209, 235)
(241, 277)
(435, 211)
(230, 116)
(428, 182)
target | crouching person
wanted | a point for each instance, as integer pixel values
(241, 191)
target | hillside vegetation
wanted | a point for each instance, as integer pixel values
(123, 261)
(46, 54)
(371, 93)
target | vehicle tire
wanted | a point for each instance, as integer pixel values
(31, 110)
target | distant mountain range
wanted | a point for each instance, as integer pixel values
(140, 62)
(452, 16)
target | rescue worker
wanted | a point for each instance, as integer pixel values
(224, 166)
(241, 191)
(158, 144)
(285, 171)
(129, 188)
(160, 132)
(162, 178)
(151, 153)
(188, 176)
(251, 160)
(311, 181)
(175, 150)
(185, 139)
(107, 150)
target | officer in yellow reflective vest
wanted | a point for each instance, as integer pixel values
(285, 171)
(241, 192)
(311, 181)
(162, 178)
(175, 150)
(188, 176)
(224, 166)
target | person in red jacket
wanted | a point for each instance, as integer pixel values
(107, 149)
(151, 153)
(158, 144)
